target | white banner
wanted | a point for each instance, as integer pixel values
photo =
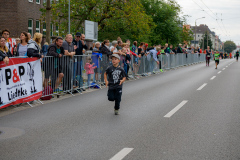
(20, 81)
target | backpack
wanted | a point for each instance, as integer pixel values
(47, 93)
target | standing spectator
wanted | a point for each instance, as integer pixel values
(167, 49)
(175, 50)
(55, 65)
(114, 49)
(45, 48)
(69, 52)
(89, 70)
(105, 50)
(96, 57)
(34, 46)
(78, 65)
(128, 42)
(29, 36)
(6, 34)
(4, 51)
(93, 46)
(134, 48)
(97, 47)
(22, 47)
(119, 46)
(15, 46)
(179, 49)
(153, 53)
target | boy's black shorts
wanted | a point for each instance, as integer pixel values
(217, 61)
(115, 94)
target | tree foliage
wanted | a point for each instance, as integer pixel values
(229, 46)
(115, 18)
(151, 21)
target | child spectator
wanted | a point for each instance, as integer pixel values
(114, 78)
(89, 69)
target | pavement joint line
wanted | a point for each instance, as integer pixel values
(213, 78)
(219, 72)
(121, 154)
(200, 88)
(174, 110)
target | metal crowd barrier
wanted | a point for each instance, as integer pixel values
(78, 73)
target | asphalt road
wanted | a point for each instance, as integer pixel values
(184, 114)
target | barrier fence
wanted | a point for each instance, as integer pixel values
(75, 74)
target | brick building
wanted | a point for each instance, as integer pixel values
(23, 15)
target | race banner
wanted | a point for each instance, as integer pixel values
(20, 81)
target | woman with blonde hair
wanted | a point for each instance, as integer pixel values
(34, 46)
(4, 51)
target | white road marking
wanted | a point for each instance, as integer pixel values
(200, 88)
(219, 72)
(213, 77)
(224, 68)
(176, 109)
(120, 155)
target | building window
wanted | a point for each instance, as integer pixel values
(30, 0)
(30, 26)
(38, 1)
(44, 28)
(57, 30)
(37, 26)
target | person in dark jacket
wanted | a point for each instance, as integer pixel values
(78, 64)
(179, 49)
(53, 65)
(34, 46)
(4, 51)
(105, 50)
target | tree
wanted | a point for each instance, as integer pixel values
(115, 18)
(229, 46)
(203, 42)
(165, 15)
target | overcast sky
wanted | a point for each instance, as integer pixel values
(227, 25)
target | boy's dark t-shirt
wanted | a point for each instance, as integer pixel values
(115, 74)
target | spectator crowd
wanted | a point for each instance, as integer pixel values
(63, 59)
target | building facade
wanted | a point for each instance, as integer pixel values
(200, 32)
(24, 15)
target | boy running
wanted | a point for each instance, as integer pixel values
(114, 78)
(216, 57)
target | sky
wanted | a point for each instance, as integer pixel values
(221, 16)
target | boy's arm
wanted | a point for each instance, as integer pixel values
(121, 81)
(105, 79)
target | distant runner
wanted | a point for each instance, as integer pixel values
(216, 58)
(237, 55)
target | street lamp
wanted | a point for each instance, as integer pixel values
(69, 17)
(195, 30)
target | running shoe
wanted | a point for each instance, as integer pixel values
(161, 70)
(116, 112)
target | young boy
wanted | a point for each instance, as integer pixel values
(114, 78)
(216, 57)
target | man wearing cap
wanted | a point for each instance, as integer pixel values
(114, 78)
(79, 44)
